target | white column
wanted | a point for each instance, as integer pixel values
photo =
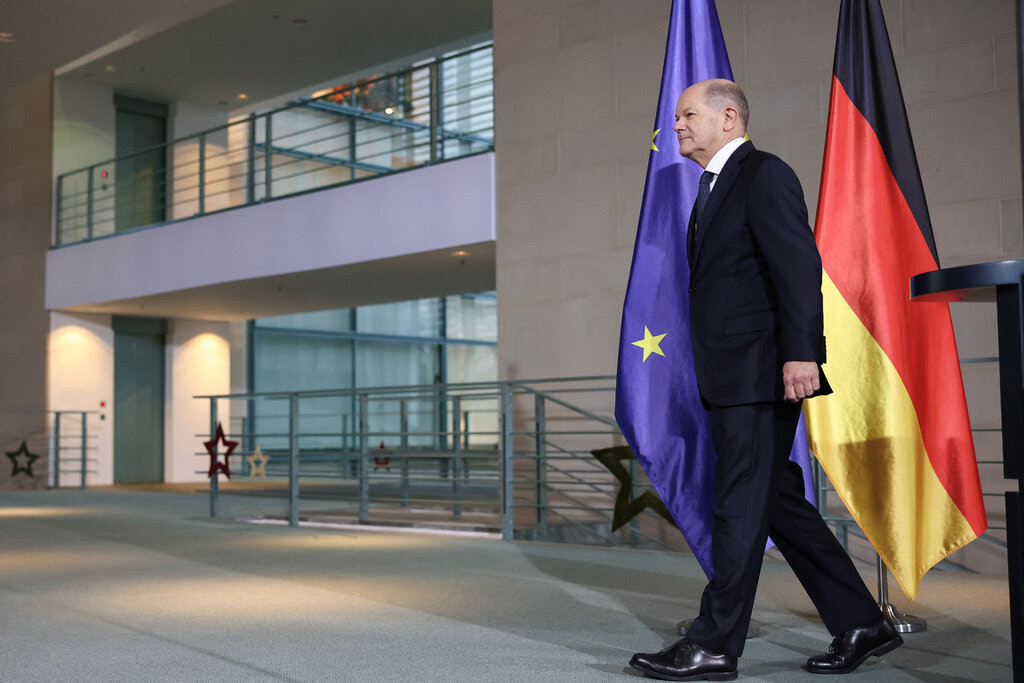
(198, 362)
(80, 376)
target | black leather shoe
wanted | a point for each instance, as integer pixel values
(685, 661)
(849, 650)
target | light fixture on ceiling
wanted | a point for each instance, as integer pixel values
(389, 110)
(242, 96)
(110, 68)
(460, 253)
(7, 37)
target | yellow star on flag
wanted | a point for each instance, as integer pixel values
(654, 148)
(650, 343)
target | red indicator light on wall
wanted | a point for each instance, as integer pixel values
(103, 174)
(103, 404)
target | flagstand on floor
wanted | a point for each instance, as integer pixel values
(904, 623)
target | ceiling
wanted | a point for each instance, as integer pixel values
(416, 276)
(206, 52)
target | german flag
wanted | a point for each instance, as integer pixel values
(894, 438)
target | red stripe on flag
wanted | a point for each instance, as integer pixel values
(871, 246)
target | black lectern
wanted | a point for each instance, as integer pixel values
(1002, 282)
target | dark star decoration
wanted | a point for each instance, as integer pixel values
(211, 448)
(626, 509)
(25, 468)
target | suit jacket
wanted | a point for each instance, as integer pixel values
(755, 282)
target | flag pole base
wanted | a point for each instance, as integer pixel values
(753, 630)
(904, 623)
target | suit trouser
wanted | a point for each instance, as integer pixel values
(758, 492)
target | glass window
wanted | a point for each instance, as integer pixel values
(298, 361)
(337, 320)
(420, 318)
(472, 316)
(311, 351)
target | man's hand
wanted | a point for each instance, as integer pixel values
(800, 378)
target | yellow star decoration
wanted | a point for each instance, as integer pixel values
(650, 343)
(654, 148)
(257, 464)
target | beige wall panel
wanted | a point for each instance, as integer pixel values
(594, 273)
(531, 160)
(632, 176)
(1006, 59)
(632, 76)
(531, 101)
(948, 72)
(25, 133)
(967, 233)
(1012, 220)
(583, 20)
(608, 143)
(975, 327)
(968, 149)
(787, 39)
(928, 24)
(981, 381)
(786, 106)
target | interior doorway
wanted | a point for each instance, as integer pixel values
(138, 399)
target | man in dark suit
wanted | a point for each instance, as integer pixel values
(756, 328)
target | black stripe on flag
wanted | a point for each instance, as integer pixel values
(865, 67)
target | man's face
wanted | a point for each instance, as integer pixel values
(698, 127)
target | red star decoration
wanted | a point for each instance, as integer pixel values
(211, 448)
(383, 460)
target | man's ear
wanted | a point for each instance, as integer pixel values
(732, 117)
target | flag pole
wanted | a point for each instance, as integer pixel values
(904, 623)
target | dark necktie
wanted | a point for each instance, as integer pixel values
(703, 192)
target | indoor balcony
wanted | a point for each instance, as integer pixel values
(385, 185)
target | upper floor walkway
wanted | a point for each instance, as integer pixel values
(331, 201)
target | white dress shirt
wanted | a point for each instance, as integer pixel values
(717, 162)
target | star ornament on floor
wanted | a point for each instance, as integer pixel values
(650, 343)
(22, 460)
(211, 448)
(257, 464)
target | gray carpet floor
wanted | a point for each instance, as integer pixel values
(139, 586)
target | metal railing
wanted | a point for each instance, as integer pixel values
(63, 439)
(433, 112)
(513, 457)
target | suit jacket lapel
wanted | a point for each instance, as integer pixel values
(723, 183)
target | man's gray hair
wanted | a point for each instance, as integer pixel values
(721, 94)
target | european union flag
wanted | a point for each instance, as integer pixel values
(657, 404)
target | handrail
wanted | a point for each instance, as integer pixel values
(59, 430)
(424, 388)
(559, 483)
(539, 479)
